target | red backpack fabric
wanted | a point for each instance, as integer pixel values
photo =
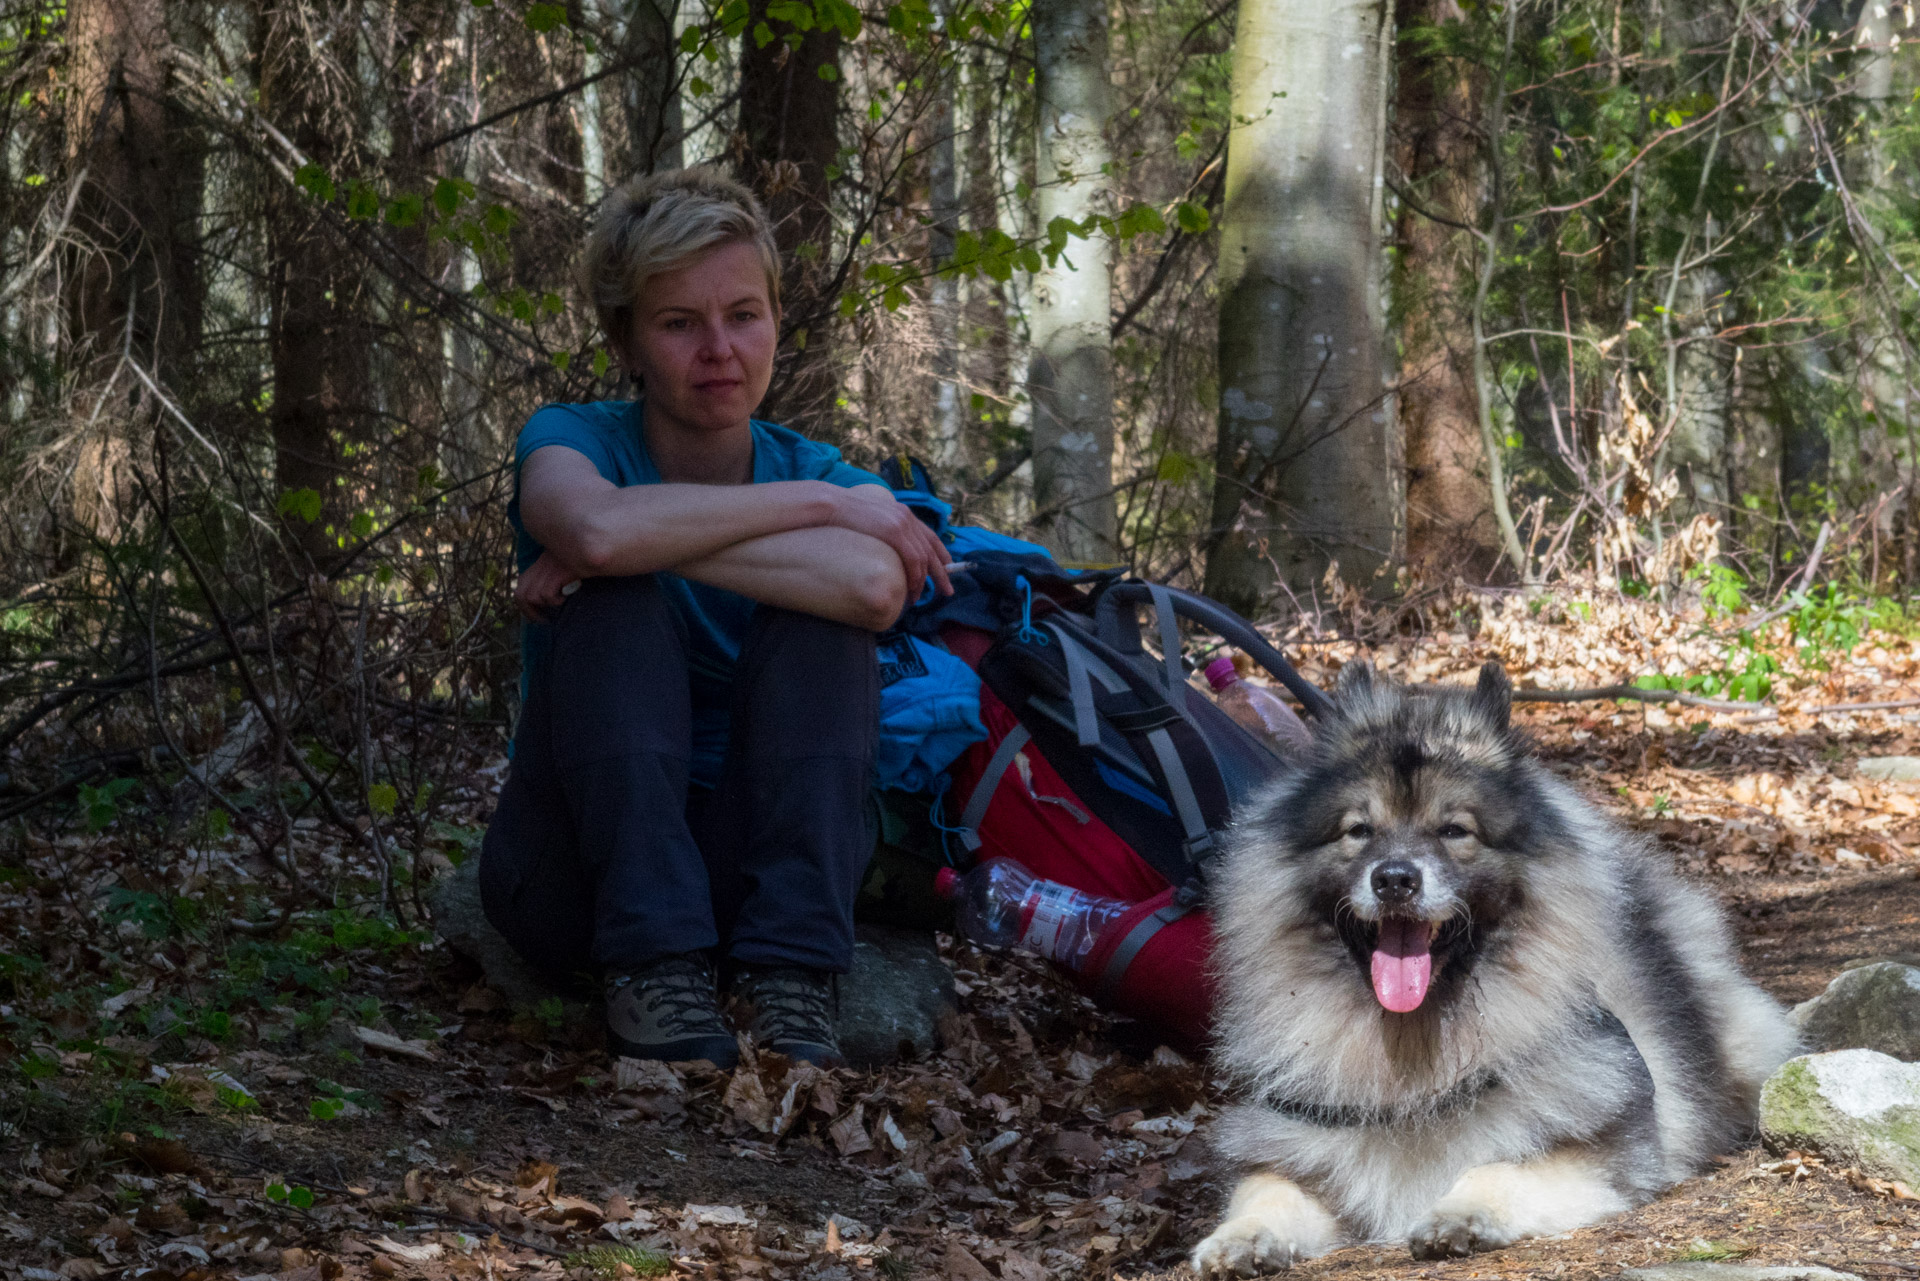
(1056, 670)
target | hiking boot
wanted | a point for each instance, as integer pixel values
(668, 1010)
(792, 1013)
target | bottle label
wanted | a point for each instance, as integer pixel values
(1052, 905)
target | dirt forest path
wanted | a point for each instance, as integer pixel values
(1044, 1143)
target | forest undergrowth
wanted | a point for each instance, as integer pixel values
(216, 1069)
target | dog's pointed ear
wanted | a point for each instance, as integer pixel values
(1493, 695)
(1354, 680)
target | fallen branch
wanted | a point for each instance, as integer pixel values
(1601, 693)
(1821, 709)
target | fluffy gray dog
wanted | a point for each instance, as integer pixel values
(1463, 1006)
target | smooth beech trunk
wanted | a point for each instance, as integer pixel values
(1070, 378)
(1308, 464)
(943, 207)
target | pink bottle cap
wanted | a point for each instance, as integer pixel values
(946, 882)
(1220, 673)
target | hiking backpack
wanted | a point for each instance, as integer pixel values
(1102, 768)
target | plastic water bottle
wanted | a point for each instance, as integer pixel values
(1259, 710)
(1002, 904)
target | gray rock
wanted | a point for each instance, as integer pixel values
(1853, 1107)
(1872, 1007)
(462, 922)
(1734, 1272)
(891, 1002)
(1889, 769)
(1891, 958)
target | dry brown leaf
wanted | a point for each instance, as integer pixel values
(961, 1265)
(849, 1133)
(746, 1098)
(538, 1176)
(1015, 1266)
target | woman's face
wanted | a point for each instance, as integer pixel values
(703, 340)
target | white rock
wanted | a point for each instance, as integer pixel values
(1889, 769)
(1853, 1107)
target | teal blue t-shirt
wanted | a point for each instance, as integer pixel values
(609, 433)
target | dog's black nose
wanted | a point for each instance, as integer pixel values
(1396, 881)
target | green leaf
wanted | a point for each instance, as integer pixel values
(1193, 219)
(1139, 220)
(362, 200)
(405, 210)
(300, 1198)
(839, 15)
(829, 72)
(700, 87)
(561, 359)
(545, 17)
(690, 43)
(382, 797)
(361, 524)
(762, 35)
(499, 219)
(448, 193)
(304, 503)
(313, 180)
(600, 362)
(1057, 232)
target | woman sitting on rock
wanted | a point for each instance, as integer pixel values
(702, 591)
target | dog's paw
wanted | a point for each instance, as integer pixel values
(1250, 1246)
(1457, 1231)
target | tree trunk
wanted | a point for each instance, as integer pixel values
(116, 127)
(1450, 526)
(649, 91)
(1308, 455)
(120, 291)
(790, 121)
(1698, 449)
(318, 342)
(943, 206)
(1070, 379)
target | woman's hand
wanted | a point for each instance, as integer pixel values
(543, 587)
(875, 512)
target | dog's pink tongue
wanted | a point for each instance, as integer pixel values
(1402, 964)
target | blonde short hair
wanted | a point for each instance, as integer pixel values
(660, 223)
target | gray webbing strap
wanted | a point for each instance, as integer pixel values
(1185, 803)
(997, 766)
(1083, 668)
(1086, 725)
(1170, 646)
(1143, 930)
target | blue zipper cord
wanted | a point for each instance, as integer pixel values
(936, 810)
(1028, 634)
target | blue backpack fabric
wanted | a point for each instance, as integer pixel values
(929, 712)
(929, 699)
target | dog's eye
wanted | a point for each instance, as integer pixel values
(1360, 831)
(1452, 832)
